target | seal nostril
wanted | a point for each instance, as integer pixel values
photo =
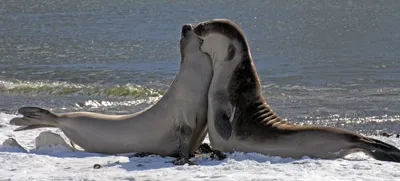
(186, 28)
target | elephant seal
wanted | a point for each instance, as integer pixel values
(239, 118)
(174, 126)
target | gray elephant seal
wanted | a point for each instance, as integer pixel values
(174, 126)
(239, 118)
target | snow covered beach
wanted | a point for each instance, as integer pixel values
(333, 63)
(59, 163)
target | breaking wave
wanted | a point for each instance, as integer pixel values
(98, 104)
(64, 88)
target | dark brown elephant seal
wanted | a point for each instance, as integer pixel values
(239, 118)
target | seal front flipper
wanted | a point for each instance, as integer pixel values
(34, 117)
(184, 134)
(215, 154)
(204, 148)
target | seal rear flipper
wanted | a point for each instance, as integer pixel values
(23, 128)
(380, 150)
(34, 117)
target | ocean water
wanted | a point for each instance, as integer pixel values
(333, 63)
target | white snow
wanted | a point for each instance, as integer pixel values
(58, 162)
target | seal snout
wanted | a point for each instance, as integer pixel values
(186, 29)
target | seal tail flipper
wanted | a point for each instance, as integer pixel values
(34, 117)
(380, 150)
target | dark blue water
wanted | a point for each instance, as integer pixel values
(326, 62)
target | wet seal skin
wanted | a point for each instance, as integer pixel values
(239, 118)
(179, 117)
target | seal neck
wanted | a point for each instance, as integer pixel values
(246, 95)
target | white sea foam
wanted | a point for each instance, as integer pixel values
(97, 104)
(65, 88)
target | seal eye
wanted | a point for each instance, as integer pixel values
(231, 52)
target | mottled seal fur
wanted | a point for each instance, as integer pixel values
(239, 118)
